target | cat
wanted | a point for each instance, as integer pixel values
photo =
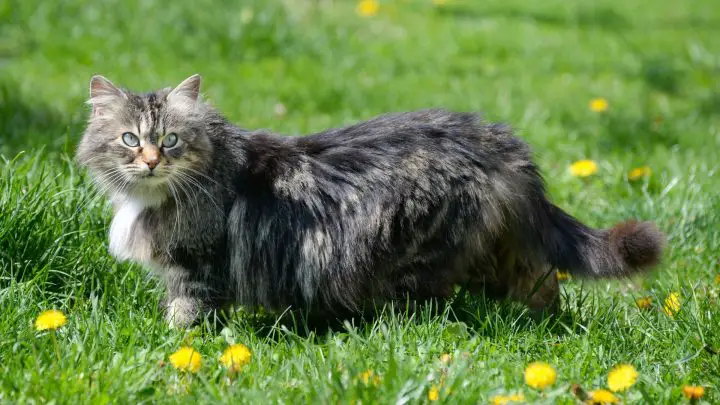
(403, 206)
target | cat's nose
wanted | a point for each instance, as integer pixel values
(151, 156)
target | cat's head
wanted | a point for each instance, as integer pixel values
(145, 145)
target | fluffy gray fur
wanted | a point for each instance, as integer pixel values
(403, 205)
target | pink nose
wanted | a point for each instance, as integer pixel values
(152, 163)
(151, 156)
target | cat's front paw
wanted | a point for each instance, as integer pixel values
(182, 312)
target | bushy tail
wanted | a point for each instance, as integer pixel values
(622, 250)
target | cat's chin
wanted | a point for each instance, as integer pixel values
(149, 191)
(150, 182)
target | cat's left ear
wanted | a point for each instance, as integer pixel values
(189, 88)
(103, 94)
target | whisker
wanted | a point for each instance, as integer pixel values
(175, 232)
(201, 174)
(195, 207)
(194, 182)
(105, 180)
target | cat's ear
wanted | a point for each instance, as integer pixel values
(189, 88)
(103, 93)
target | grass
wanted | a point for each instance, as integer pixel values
(533, 65)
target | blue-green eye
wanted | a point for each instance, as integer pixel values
(170, 140)
(130, 139)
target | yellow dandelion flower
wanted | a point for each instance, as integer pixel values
(583, 168)
(445, 358)
(368, 377)
(600, 397)
(540, 375)
(599, 104)
(186, 359)
(434, 393)
(50, 320)
(563, 276)
(693, 391)
(622, 377)
(639, 172)
(507, 399)
(235, 357)
(644, 302)
(671, 305)
(367, 8)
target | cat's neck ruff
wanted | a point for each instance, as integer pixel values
(127, 240)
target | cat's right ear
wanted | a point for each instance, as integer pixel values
(103, 93)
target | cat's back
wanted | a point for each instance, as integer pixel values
(411, 127)
(396, 151)
(437, 134)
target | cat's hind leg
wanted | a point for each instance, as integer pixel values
(510, 273)
(536, 285)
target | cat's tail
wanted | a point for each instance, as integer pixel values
(627, 248)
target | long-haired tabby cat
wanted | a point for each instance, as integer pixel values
(406, 205)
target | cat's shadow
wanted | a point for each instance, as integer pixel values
(479, 316)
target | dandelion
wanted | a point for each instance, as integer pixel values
(50, 320)
(639, 172)
(644, 302)
(507, 399)
(368, 377)
(693, 391)
(671, 305)
(583, 168)
(563, 276)
(235, 357)
(186, 359)
(445, 358)
(367, 8)
(434, 393)
(622, 377)
(599, 104)
(540, 375)
(600, 397)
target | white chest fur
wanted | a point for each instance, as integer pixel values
(127, 238)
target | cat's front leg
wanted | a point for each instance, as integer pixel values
(182, 311)
(186, 299)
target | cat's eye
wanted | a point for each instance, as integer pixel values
(170, 140)
(130, 139)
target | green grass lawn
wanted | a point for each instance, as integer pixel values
(299, 66)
